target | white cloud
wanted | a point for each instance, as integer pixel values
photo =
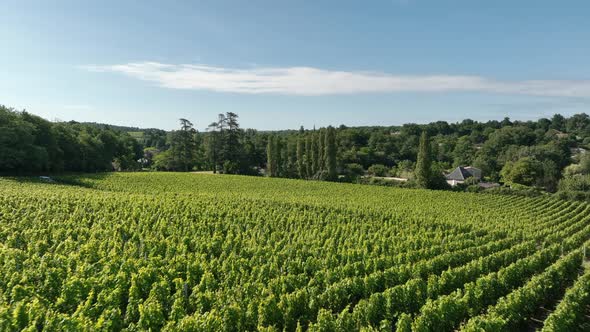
(310, 81)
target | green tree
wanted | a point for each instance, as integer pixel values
(231, 147)
(183, 146)
(270, 156)
(423, 172)
(290, 158)
(301, 167)
(308, 165)
(526, 171)
(331, 153)
(321, 150)
(315, 153)
(213, 143)
(558, 122)
(164, 161)
(279, 162)
(463, 152)
(378, 170)
(585, 163)
(16, 142)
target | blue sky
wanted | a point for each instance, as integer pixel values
(282, 64)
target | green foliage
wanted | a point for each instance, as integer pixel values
(29, 144)
(570, 313)
(378, 170)
(231, 149)
(139, 251)
(315, 153)
(353, 171)
(308, 157)
(526, 171)
(404, 324)
(301, 165)
(463, 152)
(423, 170)
(577, 182)
(511, 310)
(271, 157)
(182, 153)
(331, 153)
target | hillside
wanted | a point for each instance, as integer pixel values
(116, 127)
(200, 252)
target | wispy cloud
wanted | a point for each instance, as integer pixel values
(310, 81)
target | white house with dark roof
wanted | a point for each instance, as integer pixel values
(460, 174)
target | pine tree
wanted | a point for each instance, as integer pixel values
(183, 146)
(331, 153)
(423, 172)
(232, 145)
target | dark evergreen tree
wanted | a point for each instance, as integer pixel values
(558, 122)
(185, 145)
(291, 159)
(331, 154)
(308, 162)
(29, 143)
(322, 150)
(213, 143)
(315, 154)
(301, 167)
(423, 172)
(232, 144)
(278, 157)
(270, 156)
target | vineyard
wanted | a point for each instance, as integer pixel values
(200, 252)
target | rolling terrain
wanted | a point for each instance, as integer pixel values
(203, 252)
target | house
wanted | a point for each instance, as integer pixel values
(460, 174)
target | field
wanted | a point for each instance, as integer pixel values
(201, 252)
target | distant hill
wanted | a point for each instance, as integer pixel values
(119, 128)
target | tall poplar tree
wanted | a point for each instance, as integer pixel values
(322, 150)
(315, 157)
(291, 159)
(423, 172)
(270, 156)
(301, 158)
(278, 157)
(308, 169)
(331, 153)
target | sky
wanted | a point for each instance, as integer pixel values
(284, 64)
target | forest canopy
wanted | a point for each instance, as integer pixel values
(531, 153)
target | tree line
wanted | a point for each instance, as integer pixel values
(30, 144)
(547, 153)
(312, 156)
